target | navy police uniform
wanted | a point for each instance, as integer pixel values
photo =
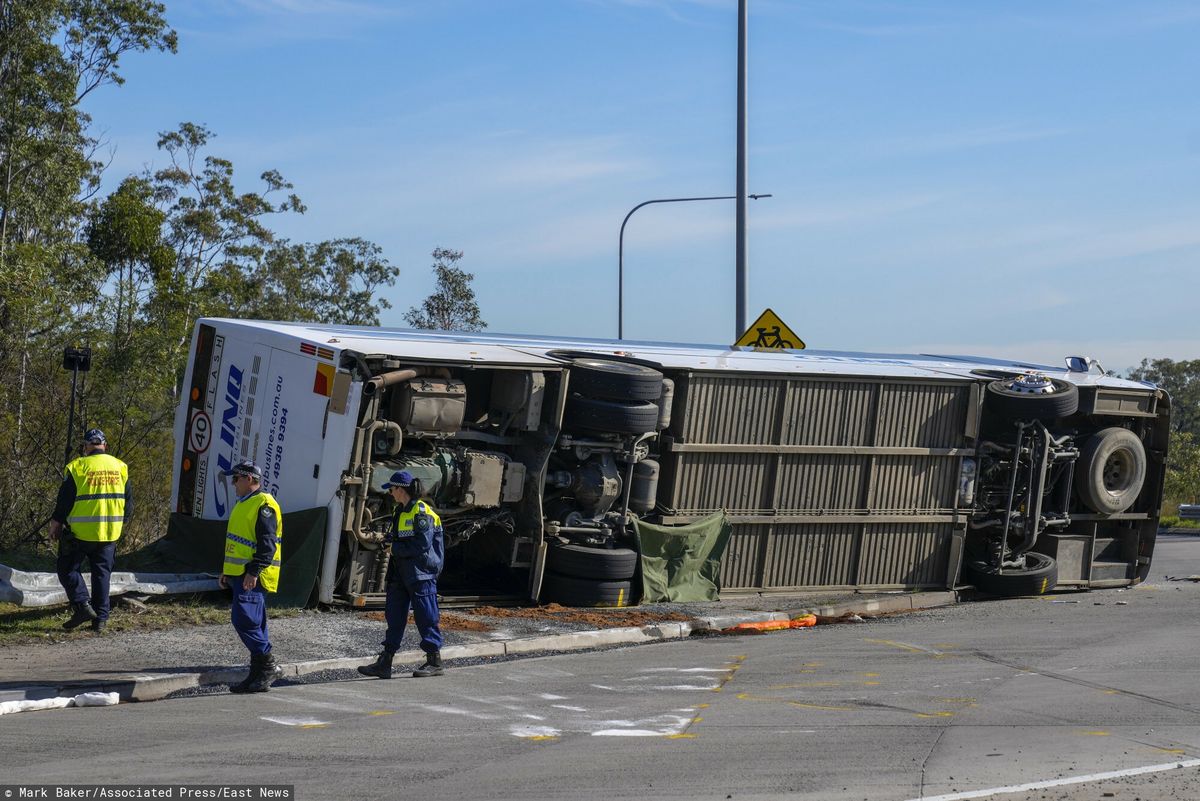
(253, 547)
(417, 559)
(418, 553)
(94, 500)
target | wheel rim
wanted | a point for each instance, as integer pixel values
(1118, 471)
(1032, 384)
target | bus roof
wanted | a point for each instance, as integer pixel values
(536, 350)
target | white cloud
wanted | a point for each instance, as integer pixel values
(550, 164)
(968, 138)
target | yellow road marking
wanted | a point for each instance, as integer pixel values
(1095, 733)
(801, 684)
(680, 736)
(789, 702)
(916, 649)
(378, 712)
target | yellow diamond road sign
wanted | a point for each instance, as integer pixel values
(768, 331)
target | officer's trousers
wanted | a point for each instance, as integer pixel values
(422, 597)
(101, 555)
(248, 611)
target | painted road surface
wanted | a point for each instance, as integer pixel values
(1068, 696)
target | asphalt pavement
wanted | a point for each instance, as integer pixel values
(322, 646)
(1072, 696)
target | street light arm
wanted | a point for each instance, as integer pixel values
(621, 248)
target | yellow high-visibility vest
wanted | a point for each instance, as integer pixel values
(99, 511)
(240, 539)
(404, 520)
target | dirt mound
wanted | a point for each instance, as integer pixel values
(597, 618)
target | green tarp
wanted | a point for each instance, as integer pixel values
(192, 545)
(682, 563)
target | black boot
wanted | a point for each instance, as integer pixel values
(268, 671)
(432, 666)
(381, 668)
(80, 614)
(252, 678)
(98, 625)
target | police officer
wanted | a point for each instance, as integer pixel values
(93, 502)
(251, 570)
(416, 563)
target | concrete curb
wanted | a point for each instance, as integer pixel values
(152, 687)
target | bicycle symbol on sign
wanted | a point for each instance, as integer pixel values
(771, 340)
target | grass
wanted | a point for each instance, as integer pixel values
(26, 625)
(1176, 522)
(40, 560)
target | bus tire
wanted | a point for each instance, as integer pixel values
(599, 564)
(572, 591)
(1062, 401)
(613, 380)
(1038, 577)
(609, 416)
(1111, 470)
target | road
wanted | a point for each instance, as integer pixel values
(944, 703)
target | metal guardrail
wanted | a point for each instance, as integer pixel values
(1189, 511)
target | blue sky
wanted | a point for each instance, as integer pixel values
(1011, 179)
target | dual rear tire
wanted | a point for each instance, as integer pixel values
(579, 575)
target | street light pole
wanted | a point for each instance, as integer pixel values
(742, 280)
(621, 250)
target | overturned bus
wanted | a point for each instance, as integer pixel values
(836, 470)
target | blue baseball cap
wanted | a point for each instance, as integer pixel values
(245, 468)
(401, 478)
(94, 436)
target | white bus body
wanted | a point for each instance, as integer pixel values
(836, 469)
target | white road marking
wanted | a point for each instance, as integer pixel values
(1093, 777)
(296, 721)
(551, 697)
(663, 725)
(569, 708)
(453, 710)
(683, 670)
(280, 698)
(519, 730)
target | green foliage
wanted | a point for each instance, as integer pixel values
(1182, 483)
(128, 274)
(26, 626)
(1181, 380)
(1173, 521)
(53, 53)
(452, 305)
(329, 282)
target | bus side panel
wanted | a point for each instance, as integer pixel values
(843, 482)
